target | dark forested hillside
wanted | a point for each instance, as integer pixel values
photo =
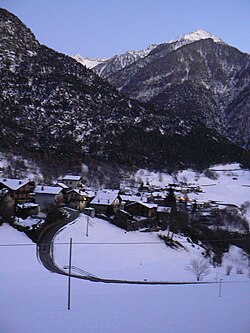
(52, 105)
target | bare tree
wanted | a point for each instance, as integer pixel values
(199, 268)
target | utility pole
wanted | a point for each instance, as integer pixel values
(70, 257)
(220, 288)
(87, 228)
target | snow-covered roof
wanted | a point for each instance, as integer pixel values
(105, 197)
(158, 194)
(132, 198)
(148, 205)
(108, 190)
(163, 209)
(62, 185)
(27, 205)
(72, 177)
(14, 184)
(53, 190)
(28, 222)
(84, 193)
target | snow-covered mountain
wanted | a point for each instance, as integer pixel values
(196, 75)
(52, 106)
(105, 67)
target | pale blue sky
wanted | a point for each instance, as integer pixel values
(97, 28)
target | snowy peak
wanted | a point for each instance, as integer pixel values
(89, 62)
(142, 53)
(199, 34)
(104, 66)
(194, 37)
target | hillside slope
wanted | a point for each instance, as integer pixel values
(50, 105)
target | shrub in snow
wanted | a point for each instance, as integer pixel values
(229, 269)
(211, 174)
(239, 270)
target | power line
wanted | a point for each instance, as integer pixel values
(125, 243)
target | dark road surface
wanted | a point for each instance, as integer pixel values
(44, 246)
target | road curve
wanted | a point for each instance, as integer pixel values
(45, 244)
(44, 254)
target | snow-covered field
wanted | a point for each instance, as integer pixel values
(110, 252)
(231, 187)
(231, 184)
(34, 300)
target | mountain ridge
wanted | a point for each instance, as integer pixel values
(50, 105)
(196, 74)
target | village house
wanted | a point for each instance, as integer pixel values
(106, 201)
(127, 221)
(73, 182)
(142, 209)
(79, 199)
(48, 196)
(145, 214)
(19, 189)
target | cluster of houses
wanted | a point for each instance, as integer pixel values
(128, 211)
(147, 209)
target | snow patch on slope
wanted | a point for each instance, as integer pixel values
(88, 62)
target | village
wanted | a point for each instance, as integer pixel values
(148, 207)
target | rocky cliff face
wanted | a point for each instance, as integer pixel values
(52, 105)
(195, 76)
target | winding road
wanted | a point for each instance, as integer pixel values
(45, 244)
(44, 254)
